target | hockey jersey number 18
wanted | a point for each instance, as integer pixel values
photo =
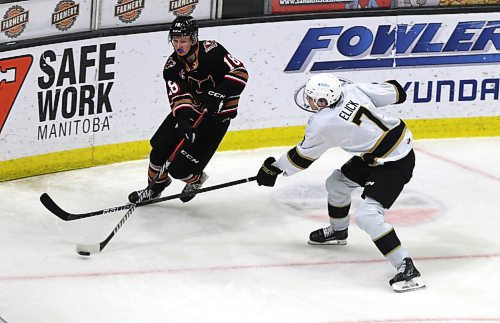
(214, 67)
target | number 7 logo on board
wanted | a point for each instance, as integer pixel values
(13, 72)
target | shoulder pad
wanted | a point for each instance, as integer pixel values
(208, 45)
(170, 63)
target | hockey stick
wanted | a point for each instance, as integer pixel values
(87, 250)
(63, 215)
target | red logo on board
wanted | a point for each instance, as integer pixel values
(13, 72)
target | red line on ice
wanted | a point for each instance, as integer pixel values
(228, 268)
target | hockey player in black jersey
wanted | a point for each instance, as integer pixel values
(347, 117)
(200, 74)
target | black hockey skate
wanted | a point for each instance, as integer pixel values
(408, 278)
(149, 194)
(189, 188)
(328, 236)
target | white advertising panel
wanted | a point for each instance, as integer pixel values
(82, 94)
(122, 13)
(31, 19)
(449, 65)
(110, 90)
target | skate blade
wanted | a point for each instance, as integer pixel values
(331, 242)
(408, 286)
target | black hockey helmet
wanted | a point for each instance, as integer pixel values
(184, 26)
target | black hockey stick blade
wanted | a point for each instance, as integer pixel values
(49, 203)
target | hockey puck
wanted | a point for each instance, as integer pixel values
(84, 253)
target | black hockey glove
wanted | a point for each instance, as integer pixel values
(212, 100)
(184, 127)
(268, 173)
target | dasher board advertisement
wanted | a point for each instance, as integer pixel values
(108, 91)
(81, 94)
(122, 13)
(31, 19)
(448, 64)
(295, 6)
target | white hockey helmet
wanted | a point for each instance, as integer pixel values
(324, 86)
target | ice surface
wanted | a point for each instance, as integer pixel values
(240, 254)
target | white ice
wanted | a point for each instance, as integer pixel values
(240, 254)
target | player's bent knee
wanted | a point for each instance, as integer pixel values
(338, 188)
(370, 217)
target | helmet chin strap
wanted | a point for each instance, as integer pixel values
(191, 51)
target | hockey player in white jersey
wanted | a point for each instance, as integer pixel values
(383, 163)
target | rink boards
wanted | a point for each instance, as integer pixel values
(98, 101)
